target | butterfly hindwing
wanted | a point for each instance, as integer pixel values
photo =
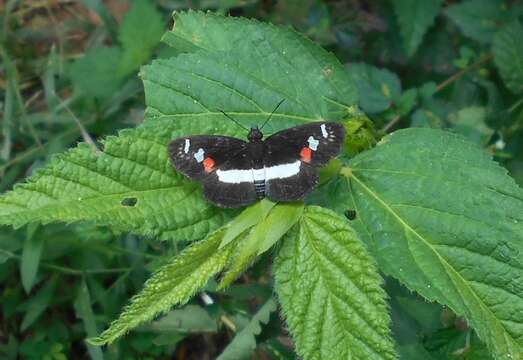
(197, 156)
(294, 187)
(315, 143)
(292, 155)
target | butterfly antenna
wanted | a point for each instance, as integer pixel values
(235, 121)
(273, 111)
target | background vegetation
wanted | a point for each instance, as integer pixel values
(69, 74)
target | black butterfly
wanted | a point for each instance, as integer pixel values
(236, 173)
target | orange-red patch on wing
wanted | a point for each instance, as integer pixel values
(306, 154)
(208, 164)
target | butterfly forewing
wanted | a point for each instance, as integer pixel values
(197, 156)
(315, 143)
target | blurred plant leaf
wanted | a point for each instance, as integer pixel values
(443, 218)
(172, 284)
(95, 73)
(31, 254)
(37, 304)
(189, 319)
(414, 18)
(470, 122)
(507, 47)
(244, 343)
(377, 88)
(330, 291)
(140, 32)
(84, 311)
(479, 19)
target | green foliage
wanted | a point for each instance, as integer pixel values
(172, 284)
(191, 318)
(31, 254)
(508, 55)
(139, 34)
(260, 237)
(244, 343)
(414, 18)
(330, 291)
(479, 19)
(456, 238)
(436, 215)
(94, 73)
(377, 88)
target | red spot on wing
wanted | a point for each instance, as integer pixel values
(306, 154)
(208, 164)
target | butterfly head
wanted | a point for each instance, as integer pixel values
(255, 134)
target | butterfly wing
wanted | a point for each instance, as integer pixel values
(223, 165)
(292, 155)
(197, 156)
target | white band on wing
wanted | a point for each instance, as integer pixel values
(250, 175)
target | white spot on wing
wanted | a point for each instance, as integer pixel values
(199, 155)
(268, 173)
(282, 171)
(235, 176)
(324, 131)
(187, 145)
(313, 143)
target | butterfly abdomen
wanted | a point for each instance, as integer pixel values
(260, 188)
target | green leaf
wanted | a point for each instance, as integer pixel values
(191, 318)
(140, 32)
(174, 283)
(84, 311)
(261, 238)
(479, 19)
(414, 18)
(508, 55)
(246, 220)
(94, 74)
(184, 96)
(330, 291)
(37, 304)
(31, 254)
(471, 123)
(233, 71)
(444, 219)
(377, 88)
(244, 343)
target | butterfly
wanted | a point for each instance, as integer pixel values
(236, 173)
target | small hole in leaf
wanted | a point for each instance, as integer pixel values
(350, 214)
(129, 201)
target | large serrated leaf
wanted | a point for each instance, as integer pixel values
(172, 284)
(330, 293)
(414, 18)
(507, 47)
(131, 185)
(274, 64)
(444, 219)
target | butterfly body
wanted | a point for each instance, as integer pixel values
(236, 173)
